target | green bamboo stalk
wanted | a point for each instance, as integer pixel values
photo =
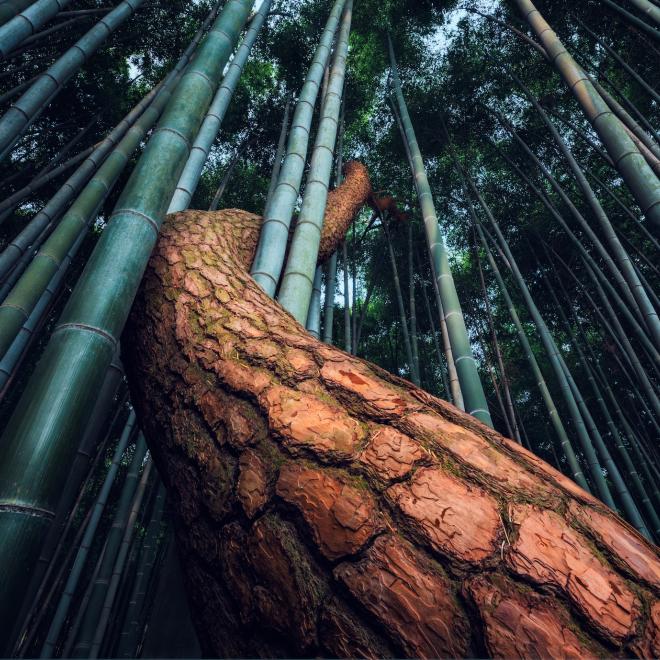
(133, 619)
(399, 299)
(629, 506)
(648, 8)
(632, 166)
(613, 325)
(298, 278)
(614, 432)
(329, 303)
(510, 415)
(14, 122)
(112, 547)
(215, 202)
(621, 306)
(647, 135)
(27, 23)
(38, 440)
(348, 343)
(210, 128)
(69, 503)
(584, 225)
(271, 250)
(639, 296)
(624, 65)
(624, 208)
(60, 248)
(471, 387)
(582, 135)
(10, 8)
(436, 343)
(553, 413)
(313, 324)
(363, 314)
(48, 215)
(631, 18)
(120, 562)
(552, 351)
(59, 618)
(411, 304)
(279, 153)
(9, 204)
(456, 396)
(487, 366)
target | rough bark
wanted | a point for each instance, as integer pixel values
(326, 507)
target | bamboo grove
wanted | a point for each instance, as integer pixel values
(507, 261)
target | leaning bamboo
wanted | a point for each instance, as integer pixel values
(61, 246)
(56, 205)
(620, 487)
(38, 440)
(624, 65)
(133, 619)
(313, 323)
(297, 281)
(399, 299)
(552, 352)
(269, 258)
(62, 610)
(11, 8)
(329, 302)
(112, 547)
(640, 297)
(471, 387)
(120, 562)
(215, 115)
(27, 23)
(14, 122)
(632, 166)
(631, 18)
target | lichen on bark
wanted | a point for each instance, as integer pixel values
(325, 507)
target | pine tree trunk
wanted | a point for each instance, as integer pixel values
(324, 506)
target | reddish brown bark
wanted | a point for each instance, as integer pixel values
(326, 507)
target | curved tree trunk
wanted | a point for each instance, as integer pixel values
(326, 507)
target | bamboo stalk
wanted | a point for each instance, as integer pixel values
(113, 545)
(471, 387)
(637, 22)
(627, 68)
(279, 153)
(436, 343)
(59, 618)
(11, 8)
(348, 343)
(15, 121)
(399, 299)
(411, 304)
(297, 281)
(634, 169)
(510, 415)
(134, 616)
(120, 562)
(565, 380)
(215, 115)
(272, 246)
(27, 22)
(61, 246)
(314, 314)
(329, 303)
(553, 413)
(37, 442)
(639, 296)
